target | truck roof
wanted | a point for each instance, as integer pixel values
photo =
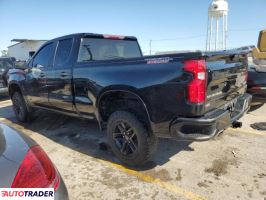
(96, 35)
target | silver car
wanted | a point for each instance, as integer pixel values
(24, 164)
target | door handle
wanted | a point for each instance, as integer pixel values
(63, 74)
(42, 75)
(38, 66)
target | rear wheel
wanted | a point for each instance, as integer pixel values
(20, 108)
(129, 139)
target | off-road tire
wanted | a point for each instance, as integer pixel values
(146, 144)
(20, 108)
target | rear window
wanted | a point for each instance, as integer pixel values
(106, 49)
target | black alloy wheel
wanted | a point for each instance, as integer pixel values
(125, 138)
(129, 139)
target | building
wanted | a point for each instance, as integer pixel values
(24, 48)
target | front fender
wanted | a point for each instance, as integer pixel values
(15, 75)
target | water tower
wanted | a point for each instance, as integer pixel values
(217, 25)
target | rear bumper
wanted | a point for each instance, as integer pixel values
(208, 126)
(61, 192)
(258, 94)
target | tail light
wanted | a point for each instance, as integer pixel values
(256, 88)
(196, 91)
(36, 171)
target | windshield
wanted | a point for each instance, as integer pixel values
(106, 49)
(5, 64)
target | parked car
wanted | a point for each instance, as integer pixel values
(187, 96)
(6, 63)
(24, 164)
(257, 72)
(257, 83)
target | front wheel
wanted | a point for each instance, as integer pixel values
(129, 139)
(20, 107)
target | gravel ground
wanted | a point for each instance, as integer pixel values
(233, 166)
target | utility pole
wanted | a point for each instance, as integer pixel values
(150, 46)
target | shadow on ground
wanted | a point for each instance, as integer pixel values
(255, 107)
(3, 98)
(84, 136)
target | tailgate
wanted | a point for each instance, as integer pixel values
(227, 74)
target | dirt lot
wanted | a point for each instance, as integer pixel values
(233, 166)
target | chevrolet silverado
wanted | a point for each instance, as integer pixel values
(185, 96)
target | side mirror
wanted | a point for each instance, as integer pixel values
(260, 52)
(38, 66)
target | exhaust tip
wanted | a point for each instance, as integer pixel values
(237, 124)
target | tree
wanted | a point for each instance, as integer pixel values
(4, 52)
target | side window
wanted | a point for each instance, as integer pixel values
(85, 53)
(44, 55)
(63, 52)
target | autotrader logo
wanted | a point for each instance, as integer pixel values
(27, 193)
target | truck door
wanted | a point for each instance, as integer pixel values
(36, 75)
(59, 78)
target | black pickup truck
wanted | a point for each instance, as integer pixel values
(187, 96)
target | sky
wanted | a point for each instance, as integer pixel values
(169, 24)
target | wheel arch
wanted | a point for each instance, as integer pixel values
(13, 87)
(122, 95)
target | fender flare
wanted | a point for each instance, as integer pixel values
(125, 91)
(11, 83)
(16, 83)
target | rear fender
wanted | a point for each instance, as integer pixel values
(126, 91)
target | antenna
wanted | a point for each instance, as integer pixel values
(217, 17)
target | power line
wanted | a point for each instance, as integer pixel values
(193, 36)
(178, 38)
(247, 29)
(202, 35)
